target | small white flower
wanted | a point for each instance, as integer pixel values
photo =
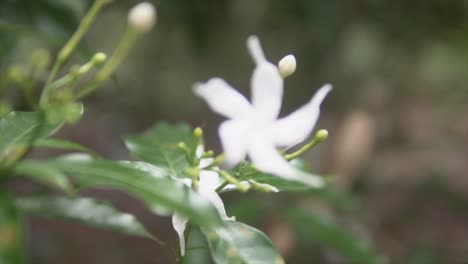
(254, 128)
(142, 17)
(287, 65)
(207, 184)
(209, 181)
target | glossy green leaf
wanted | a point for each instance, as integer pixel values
(158, 146)
(333, 235)
(155, 188)
(17, 129)
(239, 243)
(43, 173)
(11, 232)
(63, 145)
(86, 211)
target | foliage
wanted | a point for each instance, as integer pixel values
(170, 156)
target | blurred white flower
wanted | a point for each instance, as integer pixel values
(254, 128)
(287, 65)
(142, 17)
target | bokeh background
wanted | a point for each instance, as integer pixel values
(397, 117)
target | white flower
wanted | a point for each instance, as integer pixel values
(287, 65)
(142, 17)
(254, 128)
(207, 184)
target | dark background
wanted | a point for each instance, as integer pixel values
(397, 116)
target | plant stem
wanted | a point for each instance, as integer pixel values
(320, 136)
(114, 61)
(70, 46)
(221, 187)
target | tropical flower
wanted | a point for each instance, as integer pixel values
(254, 129)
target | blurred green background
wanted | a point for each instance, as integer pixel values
(397, 116)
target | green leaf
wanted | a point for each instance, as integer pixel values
(86, 211)
(333, 235)
(239, 243)
(44, 173)
(63, 144)
(158, 146)
(155, 188)
(11, 232)
(17, 129)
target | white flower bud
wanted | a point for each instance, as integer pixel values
(287, 65)
(142, 17)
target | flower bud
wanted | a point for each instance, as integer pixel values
(321, 135)
(142, 17)
(99, 58)
(287, 65)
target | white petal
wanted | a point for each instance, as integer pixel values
(180, 222)
(255, 49)
(267, 90)
(205, 162)
(209, 180)
(298, 125)
(267, 159)
(214, 198)
(233, 139)
(223, 99)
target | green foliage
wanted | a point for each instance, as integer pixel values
(236, 242)
(156, 189)
(331, 234)
(159, 146)
(62, 144)
(45, 174)
(18, 127)
(17, 130)
(86, 211)
(11, 232)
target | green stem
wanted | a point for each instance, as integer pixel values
(319, 137)
(73, 75)
(231, 179)
(114, 61)
(221, 187)
(72, 43)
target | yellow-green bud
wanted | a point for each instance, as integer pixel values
(321, 135)
(193, 172)
(208, 154)
(198, 132)
(99, 58)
